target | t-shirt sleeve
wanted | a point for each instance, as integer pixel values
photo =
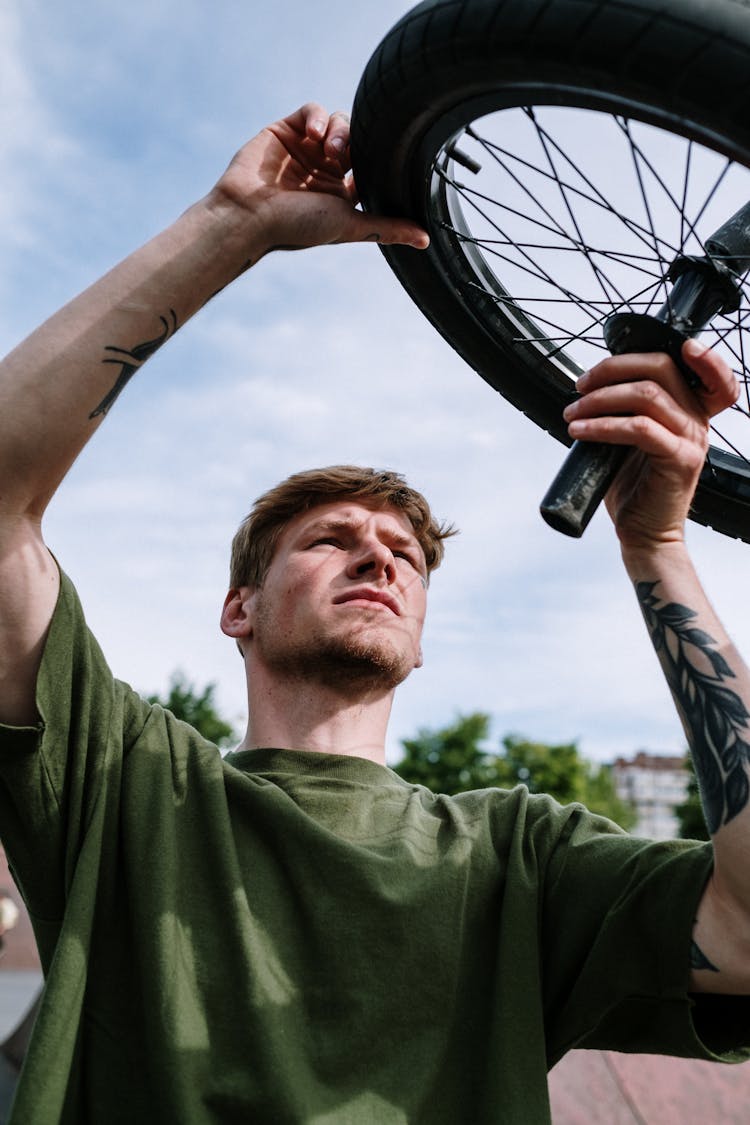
(52, 773)
(618, 921)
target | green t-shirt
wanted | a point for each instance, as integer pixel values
(284, 936)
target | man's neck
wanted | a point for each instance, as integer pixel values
(303, 715)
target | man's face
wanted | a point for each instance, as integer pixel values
(344, 599)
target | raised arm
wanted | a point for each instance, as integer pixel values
(288, 188)
(643, 401)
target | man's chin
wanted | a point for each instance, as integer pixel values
(353, 667)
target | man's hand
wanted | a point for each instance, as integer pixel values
(643, 401)
(294, 179)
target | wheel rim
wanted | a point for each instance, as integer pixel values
(537, 233)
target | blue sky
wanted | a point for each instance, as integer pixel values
(114, 119)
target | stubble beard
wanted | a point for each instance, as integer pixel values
(351, 664)
(356, 665)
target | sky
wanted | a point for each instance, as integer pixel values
(113, 119)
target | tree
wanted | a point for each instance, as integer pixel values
(456, 758)
(690, 818)
(557, 770)
(601, 797)
(196, 707)
(560, 771)
(451, 760)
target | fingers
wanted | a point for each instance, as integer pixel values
(718, 387)
(333, 130)
(643, 401)
(329, 129)
(316, 164)
(365, 227)
(646, 434)
(336, 141)
(615, 410)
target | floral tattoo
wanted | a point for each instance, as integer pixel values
(715, 717)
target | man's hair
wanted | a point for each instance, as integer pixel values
(255, 542)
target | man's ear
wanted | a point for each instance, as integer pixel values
(420, 659)
(238, 613)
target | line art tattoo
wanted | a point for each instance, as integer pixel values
(715, 717)
(131, 361)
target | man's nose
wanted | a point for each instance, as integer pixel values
(373, 560)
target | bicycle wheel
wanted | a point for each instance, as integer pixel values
(562, 154)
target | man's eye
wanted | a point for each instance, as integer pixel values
(326, 540)
(405, 555)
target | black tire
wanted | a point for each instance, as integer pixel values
(682, 65)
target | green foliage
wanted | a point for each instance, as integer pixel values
(456, 758)
(557, 770)
(601, 797)
(197, 708)
(690, 818)
(450, 760)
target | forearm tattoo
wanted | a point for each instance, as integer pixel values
(130, 361)
(715, 717)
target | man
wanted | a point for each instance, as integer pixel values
(294, 934)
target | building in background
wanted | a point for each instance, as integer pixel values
(656, 784)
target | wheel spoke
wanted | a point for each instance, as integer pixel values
(542, 209)
(727, 334)
(555, 226)
(644, 197)
(568, 337)
(685, 224)
(603, 204)
(469, 192)
(603, 281)
(637, 262)
(599, 199)
(568, 297)
(720, 178)
(533, 267)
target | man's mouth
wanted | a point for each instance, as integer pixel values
(375, 597)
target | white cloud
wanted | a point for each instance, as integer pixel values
(31, 140)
